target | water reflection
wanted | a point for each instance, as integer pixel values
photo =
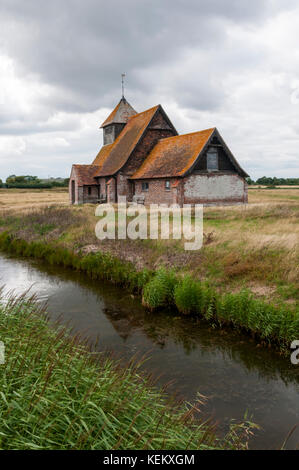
(227, 367)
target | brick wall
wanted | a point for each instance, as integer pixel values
(215, 189)
(220, 189)
(81, 193)
(122, 184)
(157, 194)
(158, 129)
(103, 191)
(208, 189)
(111, 190)
(159, 122)
(144, 147)
(77, 193)
(91, 196)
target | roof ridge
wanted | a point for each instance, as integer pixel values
(84, 164)
(143, 112)
(188, 133)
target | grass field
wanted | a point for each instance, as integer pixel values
(28, 198)
(254, 246)
(20, 199)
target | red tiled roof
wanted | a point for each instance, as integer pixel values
(173, 156)
(103, 155)
(121, 113)
(85, 174)
(112, 157)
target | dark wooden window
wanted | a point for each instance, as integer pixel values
(144, 186)
(167, 185)
(212, 159)
(89, 190)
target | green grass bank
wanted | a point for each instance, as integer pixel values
(274, 325)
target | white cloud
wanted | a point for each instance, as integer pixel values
(230, 64)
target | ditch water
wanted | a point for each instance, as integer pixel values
(228, 368)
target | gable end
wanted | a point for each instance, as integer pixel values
(226, 160)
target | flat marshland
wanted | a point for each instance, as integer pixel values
(253, 246)
(27, 199)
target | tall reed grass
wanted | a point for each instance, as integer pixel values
(158, 292)
(58, 394)
(274, 325)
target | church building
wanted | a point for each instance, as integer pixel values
(144, 159)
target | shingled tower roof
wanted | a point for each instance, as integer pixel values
(112, 157)
(121, 113)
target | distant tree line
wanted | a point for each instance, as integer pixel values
(28, 181)
(269, 181)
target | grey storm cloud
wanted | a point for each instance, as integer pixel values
(208, 62)
(82, 47)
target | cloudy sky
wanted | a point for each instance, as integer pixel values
(233, 64)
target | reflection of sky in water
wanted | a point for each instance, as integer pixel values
(226, 367)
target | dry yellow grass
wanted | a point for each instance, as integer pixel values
(282, 194)
(20, 199)
(260, 241)
(255, 245)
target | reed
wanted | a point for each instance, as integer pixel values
(56, 393)
(272, 324)
(275, 325)
(158, 292)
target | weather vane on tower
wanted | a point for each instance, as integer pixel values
(122, 84)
